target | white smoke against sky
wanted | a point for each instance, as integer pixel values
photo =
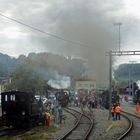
(60, 82)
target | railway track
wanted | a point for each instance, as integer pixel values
(81, 129)
(6, 131)
(11, 131)
(1, 122)
(133, 131)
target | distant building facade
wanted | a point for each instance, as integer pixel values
(87, 84)
(84, 87)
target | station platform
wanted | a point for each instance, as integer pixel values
(129, 107)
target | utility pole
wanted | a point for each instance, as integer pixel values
(110, 83)
(111, 54)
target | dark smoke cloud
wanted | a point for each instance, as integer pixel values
(85, 21)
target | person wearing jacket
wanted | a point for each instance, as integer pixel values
(112, 111)
(118, 110)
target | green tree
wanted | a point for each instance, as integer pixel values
(3, 70)
(26, 78)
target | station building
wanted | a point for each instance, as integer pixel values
(85, 87)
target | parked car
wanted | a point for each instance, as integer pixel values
(43, 98)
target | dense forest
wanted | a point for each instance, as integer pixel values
(7, 63)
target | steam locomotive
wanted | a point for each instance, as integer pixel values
(136, 97)
(19, 109)
(63, 98)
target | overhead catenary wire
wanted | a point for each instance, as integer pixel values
(46, 33)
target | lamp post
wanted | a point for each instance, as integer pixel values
(119, 26)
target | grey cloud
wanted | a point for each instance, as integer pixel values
(86, 21)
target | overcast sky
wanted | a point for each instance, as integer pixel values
(89, 22)
(66, 18)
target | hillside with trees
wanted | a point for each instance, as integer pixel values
(126, 72)
(31, 73)
(7, 63)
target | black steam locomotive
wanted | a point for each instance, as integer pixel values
(19, 109)
(136, 97)
(63, 98)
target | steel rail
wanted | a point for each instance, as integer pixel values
(133, 115)
(12, 132)
(128, 129)
(130, 126)
(90, 128)
(76, 125)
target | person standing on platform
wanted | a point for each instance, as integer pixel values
(137, 107)
(47, 119)
(60, 112)
(112, 111)
(118, 110)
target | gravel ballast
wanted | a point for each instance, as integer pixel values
(104, 129)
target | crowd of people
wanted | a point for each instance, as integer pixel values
(91, 101)
(52, 112)
(54, 115)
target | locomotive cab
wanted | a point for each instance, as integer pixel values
(19, 109)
